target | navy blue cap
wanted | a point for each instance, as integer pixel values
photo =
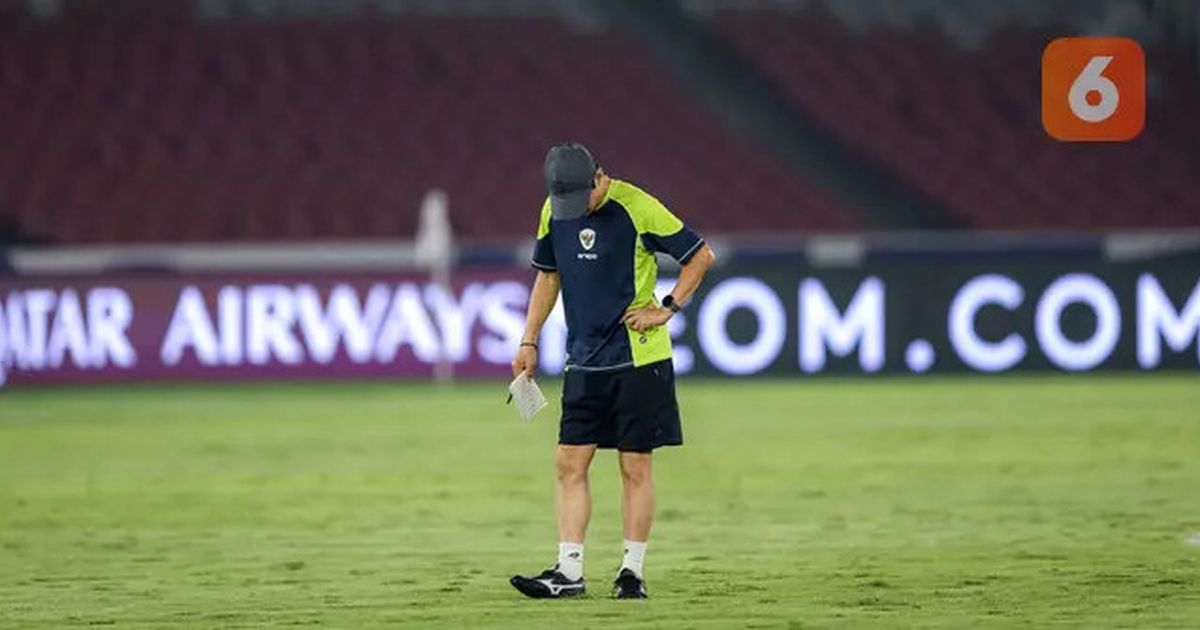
(570, 176)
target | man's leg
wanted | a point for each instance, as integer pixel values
(573, 504)
(637, 507)
(647, 418)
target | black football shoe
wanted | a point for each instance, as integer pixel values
(629, 586)
(549, 584)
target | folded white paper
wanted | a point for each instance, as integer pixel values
(526, 395)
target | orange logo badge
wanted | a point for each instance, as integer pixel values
(1093, 89)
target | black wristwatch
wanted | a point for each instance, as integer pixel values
(669, 302)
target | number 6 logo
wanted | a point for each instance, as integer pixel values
(1088, 81)
(1093, 89)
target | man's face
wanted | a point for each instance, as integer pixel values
(599, 188)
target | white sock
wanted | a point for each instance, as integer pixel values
(635, 555)
(570, 559)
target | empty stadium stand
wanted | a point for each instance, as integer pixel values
(963, 126)
(217, 120)
(130, 128)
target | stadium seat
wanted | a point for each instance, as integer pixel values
(120, 128)
(964, 126)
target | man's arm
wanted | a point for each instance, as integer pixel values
(692, 273)
(541, 301)
(690, 277)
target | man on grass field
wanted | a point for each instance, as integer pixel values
(596, 242)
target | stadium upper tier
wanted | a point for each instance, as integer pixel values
(964, 126)
(128, 129)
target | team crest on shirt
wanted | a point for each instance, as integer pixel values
(587, 238)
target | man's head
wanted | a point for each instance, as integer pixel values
(575, 183)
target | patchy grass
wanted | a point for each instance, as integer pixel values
(795, 504)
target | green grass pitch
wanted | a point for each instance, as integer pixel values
(940, 502)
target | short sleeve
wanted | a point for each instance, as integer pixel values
(543, 250)
(664, 232)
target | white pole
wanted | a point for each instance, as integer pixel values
(435, 252)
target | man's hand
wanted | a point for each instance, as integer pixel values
(643, 319)
(525, 361)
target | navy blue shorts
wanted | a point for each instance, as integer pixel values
(630, 410)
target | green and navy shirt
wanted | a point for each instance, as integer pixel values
(605, 260)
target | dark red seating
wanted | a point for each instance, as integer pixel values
(965, 128)
(127, 129)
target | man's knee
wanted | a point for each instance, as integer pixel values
(571, 464)
(635, 468)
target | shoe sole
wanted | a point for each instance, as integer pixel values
(536, 590)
